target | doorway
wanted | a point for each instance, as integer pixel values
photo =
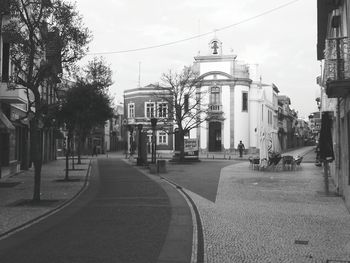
(215, 136)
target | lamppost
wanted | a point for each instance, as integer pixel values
(139, 156)
(131, 130)
(154, 141)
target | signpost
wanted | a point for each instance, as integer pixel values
(191, 149)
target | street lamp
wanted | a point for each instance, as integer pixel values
(131, 130)
(139, 157)
(154, 141)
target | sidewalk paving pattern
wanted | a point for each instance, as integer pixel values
(247, 215)
(261, 216)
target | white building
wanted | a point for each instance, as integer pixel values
(241, 108)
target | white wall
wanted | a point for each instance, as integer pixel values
(225, 99)
(224, 66)
(241, 121)
(254, 123)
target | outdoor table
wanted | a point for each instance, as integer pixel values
(288, 160)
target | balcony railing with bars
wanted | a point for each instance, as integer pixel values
(337, 67)
(215, 108)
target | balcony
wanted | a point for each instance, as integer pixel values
(12, 96)
(337, 67)
(215, 108)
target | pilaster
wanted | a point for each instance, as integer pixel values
(232, 116)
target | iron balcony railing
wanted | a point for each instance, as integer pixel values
(215, 107)
(337, 59)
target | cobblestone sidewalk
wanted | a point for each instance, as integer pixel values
(16, 192)
(284, 216)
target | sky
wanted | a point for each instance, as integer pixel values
(282, 41)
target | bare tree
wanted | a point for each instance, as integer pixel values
(187, 103)
(46, 36)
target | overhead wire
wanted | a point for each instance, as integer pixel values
(198, 35)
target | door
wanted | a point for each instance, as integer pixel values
(4, 149)
(215, 136)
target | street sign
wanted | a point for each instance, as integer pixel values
(191, 148)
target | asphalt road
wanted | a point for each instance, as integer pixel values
(122, 217)
(201, 178)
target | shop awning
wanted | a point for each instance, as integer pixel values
(5, 124)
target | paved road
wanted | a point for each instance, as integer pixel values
(122, 217)
(201, 178)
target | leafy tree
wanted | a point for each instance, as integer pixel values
(99, 76)
(46, 36)
(187, 107)
(98, 73)
(84, 108)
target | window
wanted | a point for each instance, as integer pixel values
(131, 110)
(215, 96)
(149, 110)
(162, 110)
(262, 112)
(244, 101)
(162, 138)
(269, 117)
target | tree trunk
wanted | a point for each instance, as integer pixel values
(36, 156)
(67, 158)
(72, 152)
(182, 145)
(66, 178)
(79, 150)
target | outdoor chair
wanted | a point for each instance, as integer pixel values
(254, 162)
(274, 160)
(250, 159)
(288, 162)
(298, 161)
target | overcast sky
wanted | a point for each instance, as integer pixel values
(282, 42)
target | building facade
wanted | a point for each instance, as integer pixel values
(117, 142)
(240, 106)
(140, 106)
(14, 101)
(14, 132)
(333, 50)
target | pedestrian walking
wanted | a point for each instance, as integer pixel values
(240, 148)
(94, 151)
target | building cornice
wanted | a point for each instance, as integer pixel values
(226, 82)
(212, 58)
